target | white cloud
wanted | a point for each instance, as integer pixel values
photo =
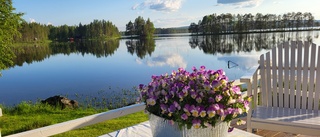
(134, 7)
(159, 5)
(170, 59)
(49, 23)
(240, 3)
(32, 20)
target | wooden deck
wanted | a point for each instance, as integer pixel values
(268, 133)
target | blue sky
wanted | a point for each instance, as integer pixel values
(163, 13)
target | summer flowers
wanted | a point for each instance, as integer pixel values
(201, 98)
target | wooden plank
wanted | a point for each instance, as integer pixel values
(317, 90)
(299, 68)
(305, 76)
(286, 74)
(311, 76)
(292, 75)
(255, 88)
(274, 78)
(268, 80)
(280, 76)
(263, 79)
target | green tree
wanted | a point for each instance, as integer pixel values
(139, 24)
(148, 29)
(9, 24)
(130, 28)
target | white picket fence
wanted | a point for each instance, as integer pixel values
(85, 121)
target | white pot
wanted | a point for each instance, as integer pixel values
(162, 128)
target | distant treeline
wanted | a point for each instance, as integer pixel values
(210, 24)
(231, 23)
(171, 30)
(39, 32)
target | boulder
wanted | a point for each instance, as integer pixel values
(59, 101)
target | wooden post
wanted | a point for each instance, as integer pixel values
(0, 116)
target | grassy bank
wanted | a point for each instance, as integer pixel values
(26, 116)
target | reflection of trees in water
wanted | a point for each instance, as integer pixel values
(29, 53)
(224, 44)
(94, 47)
(141, 47)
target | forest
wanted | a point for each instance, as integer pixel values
(98, 29)
(210, 24)
(247, 23)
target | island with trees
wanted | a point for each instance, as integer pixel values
(248, 23)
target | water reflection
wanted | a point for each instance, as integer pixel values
(29, 53)
(141, 47)
(226, 44)
(94, 47)
(171, 59)
(242, 61)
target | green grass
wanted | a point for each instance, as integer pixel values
(27, 116)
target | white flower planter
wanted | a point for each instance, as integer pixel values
(162, 128)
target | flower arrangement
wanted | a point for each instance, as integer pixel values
(198, 99)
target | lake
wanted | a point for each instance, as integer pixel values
(90, 68)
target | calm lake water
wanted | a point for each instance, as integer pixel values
(88, 68)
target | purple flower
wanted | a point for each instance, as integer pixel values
(163, 92)
(141, 86)
(207, 86)
(229, 111)
(163, 108)
(222, 114)
(196, 123)
(202, 68)
(211, 100)
(176, 105)
(218, 98)
(193, 94)
(172, 108)
(194, 69)
(236, 90)
(151, 101)
(199, 99)
(215, 106)
(184, 116)
(186, 108)
(211, 112)
(202, 111)
(194, 111)
(215, 83)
